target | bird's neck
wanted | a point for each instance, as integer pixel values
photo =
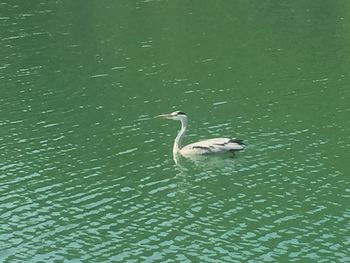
(179, 137)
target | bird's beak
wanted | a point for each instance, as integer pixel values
(163, 116)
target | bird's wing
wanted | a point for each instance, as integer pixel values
(216, 145)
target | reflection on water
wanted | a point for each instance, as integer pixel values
(208, 162)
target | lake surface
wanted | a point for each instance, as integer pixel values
(87, 173)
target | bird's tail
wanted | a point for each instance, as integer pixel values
(238, 141)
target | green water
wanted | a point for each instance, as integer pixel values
(87, 173)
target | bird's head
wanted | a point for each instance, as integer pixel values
(176, 115)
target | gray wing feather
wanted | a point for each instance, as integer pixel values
(217, 145)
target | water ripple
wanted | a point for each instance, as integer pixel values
(87, 173)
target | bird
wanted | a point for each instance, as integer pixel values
(206, 147)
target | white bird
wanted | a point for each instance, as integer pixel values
(211, 146)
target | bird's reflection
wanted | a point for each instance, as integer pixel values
(191, 170)
(205, 161)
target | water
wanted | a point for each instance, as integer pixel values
(87, 173)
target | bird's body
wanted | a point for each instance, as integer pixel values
(211, 146)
